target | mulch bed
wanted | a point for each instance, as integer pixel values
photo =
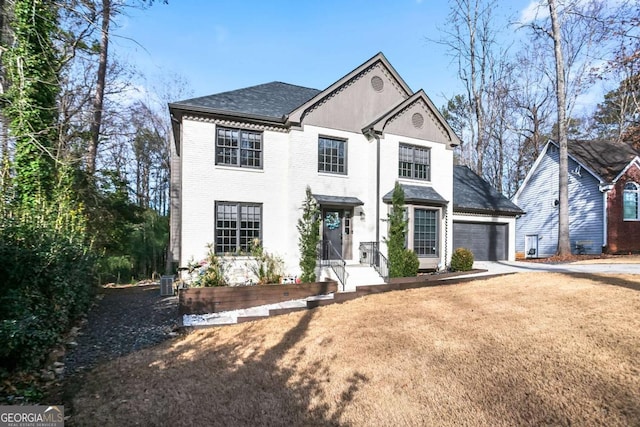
(122, 321)
(557, 259)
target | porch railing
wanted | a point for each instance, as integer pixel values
(330, 257)
(370, 254)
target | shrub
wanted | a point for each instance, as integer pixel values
(409, 264)
(211, 272)
(268, 268)
(462, 260)
(47, 275)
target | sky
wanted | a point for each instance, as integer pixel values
(216, 46)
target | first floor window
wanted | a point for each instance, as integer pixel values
(332, 155)
(237, 226)
(425, 232)
(630, 200)
(238, 147)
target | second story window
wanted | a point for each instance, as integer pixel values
(332, 155)
(238, 147)
(414, 162)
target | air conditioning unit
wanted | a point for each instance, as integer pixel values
(166, 286)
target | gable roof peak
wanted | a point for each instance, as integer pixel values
(296, 116)
(606, 158)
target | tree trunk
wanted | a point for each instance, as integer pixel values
(98, 100)
(564, 243)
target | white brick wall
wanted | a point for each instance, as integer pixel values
(289, 165)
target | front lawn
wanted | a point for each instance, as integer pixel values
(525, 349)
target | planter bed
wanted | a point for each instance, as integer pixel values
(217, 299)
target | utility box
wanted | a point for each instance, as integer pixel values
(166, 286)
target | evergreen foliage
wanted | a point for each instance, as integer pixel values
(461, 260)
(403, 262)
(31, 66)
(47, 270)
(309, 237)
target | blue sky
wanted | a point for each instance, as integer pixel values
(224, 45)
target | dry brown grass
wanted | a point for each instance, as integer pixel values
(526, 349)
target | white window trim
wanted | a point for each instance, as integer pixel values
(637, 193)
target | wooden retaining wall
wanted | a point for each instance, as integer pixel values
(216, 299)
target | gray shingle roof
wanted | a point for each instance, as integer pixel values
(418, 194)
(337, 200)
(605, 158)
(473, 194)
(270, 100)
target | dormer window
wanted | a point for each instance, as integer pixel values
(630, 201)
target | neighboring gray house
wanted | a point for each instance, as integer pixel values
(483, 219)
(596, 170)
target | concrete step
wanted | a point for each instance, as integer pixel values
(362, 275)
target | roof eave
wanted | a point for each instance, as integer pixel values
(485, 211)
(182, 109)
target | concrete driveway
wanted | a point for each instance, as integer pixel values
(501, 267)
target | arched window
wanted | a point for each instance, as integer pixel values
(630, 201)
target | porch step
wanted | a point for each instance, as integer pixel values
(360, 274)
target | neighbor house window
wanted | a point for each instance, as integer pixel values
(238, 147)
(237, 226)
(414, 162)
(630, 201)
(425, 232)
(332, 155)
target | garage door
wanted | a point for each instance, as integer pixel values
(488, 242)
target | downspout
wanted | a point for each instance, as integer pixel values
(377, 137)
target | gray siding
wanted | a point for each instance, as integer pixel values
(537, 200)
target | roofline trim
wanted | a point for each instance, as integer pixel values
(381, 122)
(296, 115)
(635, 160)
(498, 212)
(515, 197)
(228, 114)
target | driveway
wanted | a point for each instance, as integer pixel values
(501, 267)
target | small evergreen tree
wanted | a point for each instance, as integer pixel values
(403, 262)
(309, 229)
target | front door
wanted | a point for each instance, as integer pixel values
(332, 232)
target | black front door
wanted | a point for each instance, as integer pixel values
(332, 232)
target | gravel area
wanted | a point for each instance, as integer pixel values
(124, 319)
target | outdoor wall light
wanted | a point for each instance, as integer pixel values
(361, 214)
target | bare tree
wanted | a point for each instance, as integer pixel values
(564, 242)
(98, 99)
(472, 42)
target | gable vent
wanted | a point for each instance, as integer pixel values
(377, 83)
(417, 120)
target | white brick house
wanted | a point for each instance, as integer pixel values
(243, 159)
